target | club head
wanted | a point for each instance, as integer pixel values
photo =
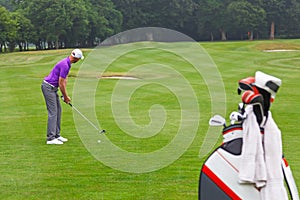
(103, 131)
(217, 120)
(236, 117)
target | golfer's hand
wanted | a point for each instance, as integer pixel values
(67, 99)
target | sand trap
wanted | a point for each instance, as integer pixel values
(119, 77)
(280, 50)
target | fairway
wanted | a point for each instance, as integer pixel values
(30, 169)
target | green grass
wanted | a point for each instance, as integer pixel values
(30, 169)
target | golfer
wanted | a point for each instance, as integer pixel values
(57, 79)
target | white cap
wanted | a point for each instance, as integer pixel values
(77, 53)
(267, 82)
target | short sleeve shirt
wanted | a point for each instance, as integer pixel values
(61, 69)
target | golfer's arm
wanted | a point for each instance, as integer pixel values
(62, 86)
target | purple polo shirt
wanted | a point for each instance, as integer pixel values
(61, 69)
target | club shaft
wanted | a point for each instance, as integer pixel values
(84, 117)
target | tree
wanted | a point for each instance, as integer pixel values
(291, 25)
(8, 30)
(135, 13)
(275, 9)
(212, 18)
(25, 31)
(35, 11)
(54, 21)
(245, 18)
(104, 20)
(84, 23)
(173, 14)
(71, 23)
(77, 31)
(209, 19)
(57, 24)
(8, 4)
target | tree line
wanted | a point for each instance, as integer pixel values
(52, 24)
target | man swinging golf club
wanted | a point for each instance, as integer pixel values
(57, 79)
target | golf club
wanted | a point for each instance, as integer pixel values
(84, 117)
(236, 117)
(217, 120)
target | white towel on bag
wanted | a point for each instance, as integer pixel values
(274, 188)
(261, 157)
(252, 167)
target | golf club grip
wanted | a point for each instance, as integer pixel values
(62, 97)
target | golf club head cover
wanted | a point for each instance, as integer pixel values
(246, 84)
(250, 97)
(267, 83)
(258, 97)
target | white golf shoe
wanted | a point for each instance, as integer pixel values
(54, 141)
(62, 139)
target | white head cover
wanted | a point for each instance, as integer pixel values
(267, 82)
(77, 53)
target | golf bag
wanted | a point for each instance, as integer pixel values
(220, 177)
(219, 173)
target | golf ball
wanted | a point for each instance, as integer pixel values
(99, 141)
